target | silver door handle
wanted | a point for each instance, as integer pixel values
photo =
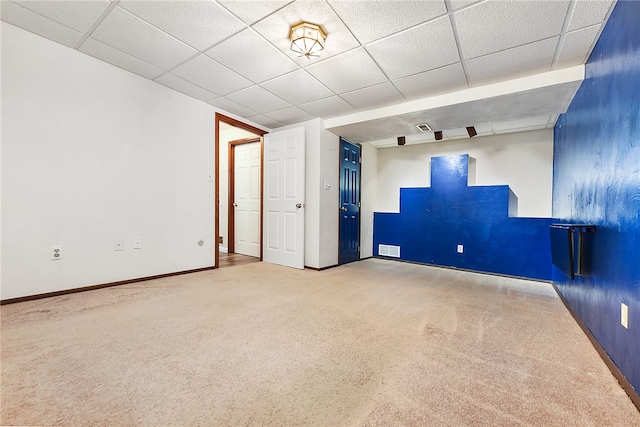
(299, 205)
(342, 208)
(235, 205)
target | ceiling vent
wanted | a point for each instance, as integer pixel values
(424, 127)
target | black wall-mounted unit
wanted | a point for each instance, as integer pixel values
(571, 248)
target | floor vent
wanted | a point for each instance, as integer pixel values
(389, 250)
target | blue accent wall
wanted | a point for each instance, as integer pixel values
(596, 180)
(434, 220)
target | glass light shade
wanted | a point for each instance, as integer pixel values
(307, 39)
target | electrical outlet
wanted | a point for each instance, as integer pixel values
(137, 243)
(118, 244)
(624, 315)
(56, 253)
(460, 249)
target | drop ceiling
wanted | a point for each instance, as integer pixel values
(380, 55)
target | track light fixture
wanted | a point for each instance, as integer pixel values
(401, 140)
(471, 131)
(438, 135)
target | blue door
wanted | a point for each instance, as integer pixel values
(349, 202)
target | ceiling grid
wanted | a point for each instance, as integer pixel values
(234, 54)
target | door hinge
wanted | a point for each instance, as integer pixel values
(358, 248)
(358, 204)
(359, 159)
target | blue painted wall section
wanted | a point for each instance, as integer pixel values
(596, 180)
(434, 220)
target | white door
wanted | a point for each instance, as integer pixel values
(284, 163)
(247, 199)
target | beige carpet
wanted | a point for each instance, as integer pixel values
(373, 343)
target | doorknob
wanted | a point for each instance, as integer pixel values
(299, 205)
(342, 208)
(235, 205)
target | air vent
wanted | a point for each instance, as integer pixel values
(424, 127)
(389, 250)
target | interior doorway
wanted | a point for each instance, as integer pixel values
(245, 197)
(225, 125)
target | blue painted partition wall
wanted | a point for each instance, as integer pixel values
(596, 179)
(433, 221)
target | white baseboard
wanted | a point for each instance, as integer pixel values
(223, 249)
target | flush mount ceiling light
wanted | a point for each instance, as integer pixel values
(307, 39)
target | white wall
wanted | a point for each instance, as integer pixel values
(227, 133)
(91, 153)
(368, 197)
(329, 198)
(523, 160)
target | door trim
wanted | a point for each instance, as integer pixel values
(216, 166)
(230, 216)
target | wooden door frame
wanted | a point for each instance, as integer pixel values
(236, 123)
(232, 181)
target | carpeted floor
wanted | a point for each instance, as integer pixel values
(372, 343)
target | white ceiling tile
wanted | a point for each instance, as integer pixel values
(259, 61)
(577, 46)
(251, 11)
(377, 96)
(258, 99)
(276, 27)
(130, 34)
(183, 86)
(79, 15)
(328, 107)
(290, 115)
(266, 121)
(200, 24)
(232, 107)
(209, 74)
(589, 12)
(512, 63)
(457, 4)
(435, 82)
(31, 21)
(119, 59)
(297, 87)
(494, 26)
(373, 19)
(349, 71)
(420, 49)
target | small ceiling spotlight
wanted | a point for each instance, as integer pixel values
(401, 140)
(307, 39)
(438, 135)
(471, 131)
